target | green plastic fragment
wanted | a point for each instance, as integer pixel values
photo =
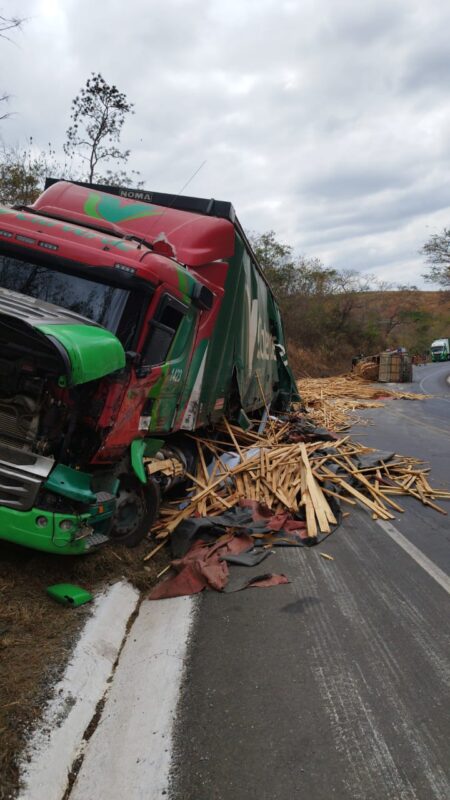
(137, 454)
(139, 449)
(68, 594)
(71, 483)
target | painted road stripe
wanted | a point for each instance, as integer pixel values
(56, 744)
(420, 558)
(433, 375)
(129, 753)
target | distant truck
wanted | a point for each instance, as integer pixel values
(128, 320)
(440, 350)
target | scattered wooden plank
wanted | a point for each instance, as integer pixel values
(294, 476)
(163, 571)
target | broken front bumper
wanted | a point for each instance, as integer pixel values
(52, 532)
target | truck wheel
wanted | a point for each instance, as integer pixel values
(136, 510)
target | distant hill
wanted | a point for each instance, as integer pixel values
(325, 332)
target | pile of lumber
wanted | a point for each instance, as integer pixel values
(368, 370)
(376, 485)
(331, 402)
(295, 477)
(269, 469)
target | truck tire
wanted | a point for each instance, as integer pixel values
(136, 510)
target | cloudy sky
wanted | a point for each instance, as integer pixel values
(327, 121)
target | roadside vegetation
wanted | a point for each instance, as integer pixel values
(331, 315)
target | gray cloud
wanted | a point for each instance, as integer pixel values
(327, 122)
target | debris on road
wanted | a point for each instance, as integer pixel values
(296, 479)
(368, 369)
(267, 469)
(205, 565)
(69, 595)
(331, 402)
(390, 366)
(283, 485)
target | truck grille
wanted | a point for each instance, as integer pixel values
(16, 421)
(21, 476)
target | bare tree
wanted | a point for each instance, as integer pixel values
(7, 24)
(98, 115)
(437, 252)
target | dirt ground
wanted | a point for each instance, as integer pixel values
(37, 634)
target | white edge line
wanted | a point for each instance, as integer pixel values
(432, 375)
(420, 558)
(129, 754)
(56, 743)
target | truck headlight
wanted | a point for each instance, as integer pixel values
(66, 524)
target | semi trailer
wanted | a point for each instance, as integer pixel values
(128, 321)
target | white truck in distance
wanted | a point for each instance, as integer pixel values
(440, 350)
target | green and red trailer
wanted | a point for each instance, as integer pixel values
(128, 320)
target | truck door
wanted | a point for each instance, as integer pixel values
(166, 354)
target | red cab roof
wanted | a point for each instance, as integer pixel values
(195, 239)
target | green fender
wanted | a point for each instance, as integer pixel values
(141, 448)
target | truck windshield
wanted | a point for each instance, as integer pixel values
(109, 306)
(437, 349)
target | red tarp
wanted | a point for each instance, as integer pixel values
(202, 568)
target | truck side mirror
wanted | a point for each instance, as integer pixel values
(202, 297)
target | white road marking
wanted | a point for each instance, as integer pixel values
(433, 375)
(129, 753)
(420, 558)
(55, 745)
(350, 686)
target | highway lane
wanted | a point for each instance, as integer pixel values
(420, 429)
(338, 684)
(434, 379)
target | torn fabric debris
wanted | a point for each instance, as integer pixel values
(204, 566)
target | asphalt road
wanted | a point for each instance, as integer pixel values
(338, 684)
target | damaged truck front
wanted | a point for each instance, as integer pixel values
(124, 326)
